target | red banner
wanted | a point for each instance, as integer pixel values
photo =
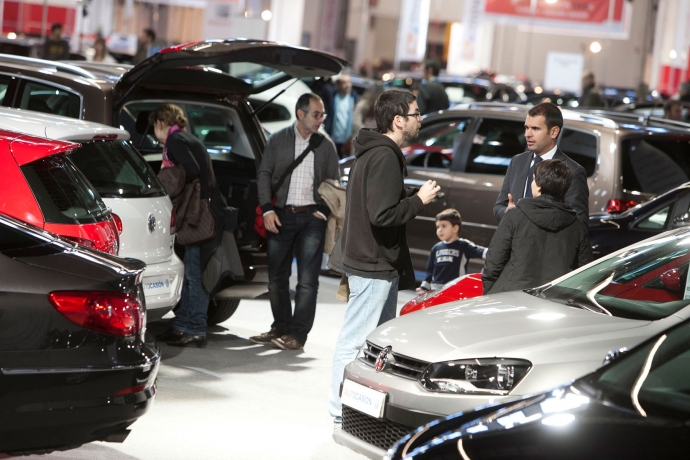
(583, 11)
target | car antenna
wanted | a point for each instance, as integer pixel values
(265, 104)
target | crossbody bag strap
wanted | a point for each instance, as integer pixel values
(314, 141)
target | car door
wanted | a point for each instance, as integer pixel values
(429, 157)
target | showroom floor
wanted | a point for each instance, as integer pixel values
(237, 400)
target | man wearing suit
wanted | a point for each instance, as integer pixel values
(542, 127)
(432, 94)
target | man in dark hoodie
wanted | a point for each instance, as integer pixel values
(541, 239)
(376, 258)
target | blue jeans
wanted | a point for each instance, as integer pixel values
(301, 236)
(372, 302)
(192, 314)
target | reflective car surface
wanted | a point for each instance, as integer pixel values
(490, 349)
(74, 363)
(638, 406)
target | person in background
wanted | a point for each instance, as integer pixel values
(684, 92)
(101, 52)
(146, 39)
(376, 258)
(296, 222)
(363, 116)
(449, 258)
(340, 105)
(56, 48)
(591, 97)
(432, 94)
(673, 110)
(541, 239)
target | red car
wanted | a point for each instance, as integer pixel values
(42, 186)
(465, 287)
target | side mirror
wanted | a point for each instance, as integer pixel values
(681, 221)
(613, 355)
(671, 279)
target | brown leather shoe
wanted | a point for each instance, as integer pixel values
(265, 338)
(287, 342)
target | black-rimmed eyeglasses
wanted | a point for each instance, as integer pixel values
(416, 115)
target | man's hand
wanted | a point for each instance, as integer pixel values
(511, 204)
(428, 191)
(271, 222)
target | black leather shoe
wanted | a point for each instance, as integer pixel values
(170, 334)
(188, 339)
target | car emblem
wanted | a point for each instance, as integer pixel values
(382, 359)
(152, 223)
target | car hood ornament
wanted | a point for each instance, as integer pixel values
(382, 358)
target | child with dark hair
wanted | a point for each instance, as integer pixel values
(541, 239)
(449, 258)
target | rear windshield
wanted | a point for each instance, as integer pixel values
(117, 170)
(655, 164)
(64, 195)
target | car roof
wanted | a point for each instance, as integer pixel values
(26, 148)
(56, 126)
(55, 71)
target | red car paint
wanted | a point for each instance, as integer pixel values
(18, 200)
(465, 287)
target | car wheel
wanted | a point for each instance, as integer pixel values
(220, 310)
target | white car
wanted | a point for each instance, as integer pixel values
(129, 187)
(280, 112)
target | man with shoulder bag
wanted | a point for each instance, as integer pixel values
(296, 222)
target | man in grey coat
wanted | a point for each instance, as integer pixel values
(296, 223)
(542, 127)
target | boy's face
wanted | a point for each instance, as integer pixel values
(445, 231)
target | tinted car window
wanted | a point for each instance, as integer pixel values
(655, 164)
(581, 147)
(272, 112)
(434, 146)
(495, 143)
(63, 193)
(116, 170)
(656, 221)
(49, 99)
(463, 92)
(4, 84)
(210, 124)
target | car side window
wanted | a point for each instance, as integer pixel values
(5, 81)
(655, 164)
(49, 99)
(656, 221)
(435, 144)
(494, 145)
(581, 147)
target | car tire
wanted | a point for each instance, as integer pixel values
(220, 310)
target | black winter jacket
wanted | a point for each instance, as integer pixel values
(538, 241)
(378, 206)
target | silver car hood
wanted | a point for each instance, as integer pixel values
(509, 325)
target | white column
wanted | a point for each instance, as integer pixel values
(285, 25)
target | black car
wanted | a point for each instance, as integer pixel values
(75, 365)
(637, 406)
(611, 232)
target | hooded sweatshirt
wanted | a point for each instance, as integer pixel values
(374, 242)
(538, 241)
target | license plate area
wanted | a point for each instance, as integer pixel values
(157, 285)
(364, 399)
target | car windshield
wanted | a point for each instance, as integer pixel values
(645, 282)
(117, 170)
(652, 379)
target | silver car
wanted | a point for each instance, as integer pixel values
(470, 353)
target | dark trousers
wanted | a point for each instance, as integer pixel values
(301, 236)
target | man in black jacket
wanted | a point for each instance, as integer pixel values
(432, 94)
(376, 258)
(541, 239)
(542, 127)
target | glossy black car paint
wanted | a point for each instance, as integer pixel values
(601, 425)
(611, 232)
(62, 385)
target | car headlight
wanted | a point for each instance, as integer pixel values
(496, 376)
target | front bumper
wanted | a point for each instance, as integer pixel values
(162, 284)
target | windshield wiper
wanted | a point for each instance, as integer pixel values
(588, 307)
(536, 292)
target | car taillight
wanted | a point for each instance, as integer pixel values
(109, 312)
(118, 223)
(615, 206)
(84, 242)
(173, 222)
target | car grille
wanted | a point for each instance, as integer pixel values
(381, 433)
(400, 365)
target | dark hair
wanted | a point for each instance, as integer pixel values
(554, 177)
(668, 105)
(304, 101)
(434, 66)
(451, 215)
(170, 114)
(551, 113)
(151, 34)
(55, 26)
(389, 104)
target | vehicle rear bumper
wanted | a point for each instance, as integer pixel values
(162, 284)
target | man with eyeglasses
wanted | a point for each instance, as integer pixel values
(375, 255)
(296, 222)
